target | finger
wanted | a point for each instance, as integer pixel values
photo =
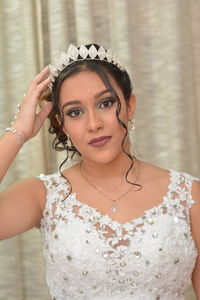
(41, 88)
(42, 75)
(45, 111)
(39, 78)
(33, 96)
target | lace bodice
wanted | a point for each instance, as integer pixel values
(90, 256)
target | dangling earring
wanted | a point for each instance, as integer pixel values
(131, 126)
(69, 142)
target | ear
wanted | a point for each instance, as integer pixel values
(131, 106)
(58, 119)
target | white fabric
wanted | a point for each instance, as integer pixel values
(90, 256)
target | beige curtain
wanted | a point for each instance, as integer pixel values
(157, 40)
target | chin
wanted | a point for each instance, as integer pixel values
(104, 158)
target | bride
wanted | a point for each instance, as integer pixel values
(112, 226)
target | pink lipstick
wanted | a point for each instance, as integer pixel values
(100, 141)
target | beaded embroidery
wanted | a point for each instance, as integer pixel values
(90, 256)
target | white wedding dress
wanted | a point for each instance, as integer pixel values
(90, 256)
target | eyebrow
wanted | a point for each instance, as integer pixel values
(98, 95)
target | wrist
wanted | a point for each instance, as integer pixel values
(20, 129)
(19, 135)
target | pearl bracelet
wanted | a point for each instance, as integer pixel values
(20, 138)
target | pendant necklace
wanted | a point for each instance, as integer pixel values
(114, 206)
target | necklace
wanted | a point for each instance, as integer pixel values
(114, 206)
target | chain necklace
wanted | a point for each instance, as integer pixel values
(114, 207)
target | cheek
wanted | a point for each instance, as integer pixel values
(69, 125)
(65, 127)
(75, 130)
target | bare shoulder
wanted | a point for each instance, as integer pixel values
(196, 188)
(23, 203)
(195, 227)
(73, 173)
(73, 170)
(33, 187)
(154, 174)
(37, 188)
(195, 210)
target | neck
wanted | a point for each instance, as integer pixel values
(114, 169)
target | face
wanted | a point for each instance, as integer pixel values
(89, 111)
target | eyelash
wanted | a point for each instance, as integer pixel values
(111, 100)
(75, 110)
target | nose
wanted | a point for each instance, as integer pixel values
(94, 121)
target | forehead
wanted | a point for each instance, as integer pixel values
(84, 84)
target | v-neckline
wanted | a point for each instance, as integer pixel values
(73, 197)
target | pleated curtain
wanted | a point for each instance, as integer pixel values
(158, 43)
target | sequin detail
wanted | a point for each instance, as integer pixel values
(90, 256)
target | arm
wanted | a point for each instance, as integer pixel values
(21, 204)
(21, 207)
(27, 124)
(195, 222)
(8, 151)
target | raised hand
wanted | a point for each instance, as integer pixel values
(28, 122)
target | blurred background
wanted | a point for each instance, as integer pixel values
(158, 43)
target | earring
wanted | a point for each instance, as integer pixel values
(131, 126)
(69, 142)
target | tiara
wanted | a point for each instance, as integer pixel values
(82, 53)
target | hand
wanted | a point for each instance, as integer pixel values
(28, 122)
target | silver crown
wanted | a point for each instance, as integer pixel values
(74, 54)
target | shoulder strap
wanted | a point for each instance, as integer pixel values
(54, 184)
(181, 192)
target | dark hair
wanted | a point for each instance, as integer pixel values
(103, 68)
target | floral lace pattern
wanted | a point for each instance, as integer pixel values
(90, 256)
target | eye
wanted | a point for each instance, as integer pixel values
(107, 103)
(73, 113)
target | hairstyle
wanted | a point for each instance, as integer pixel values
(103, 69)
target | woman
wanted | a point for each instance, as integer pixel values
(113, 227)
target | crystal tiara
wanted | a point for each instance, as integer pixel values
(82, 53)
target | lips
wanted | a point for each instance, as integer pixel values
(100, 141)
